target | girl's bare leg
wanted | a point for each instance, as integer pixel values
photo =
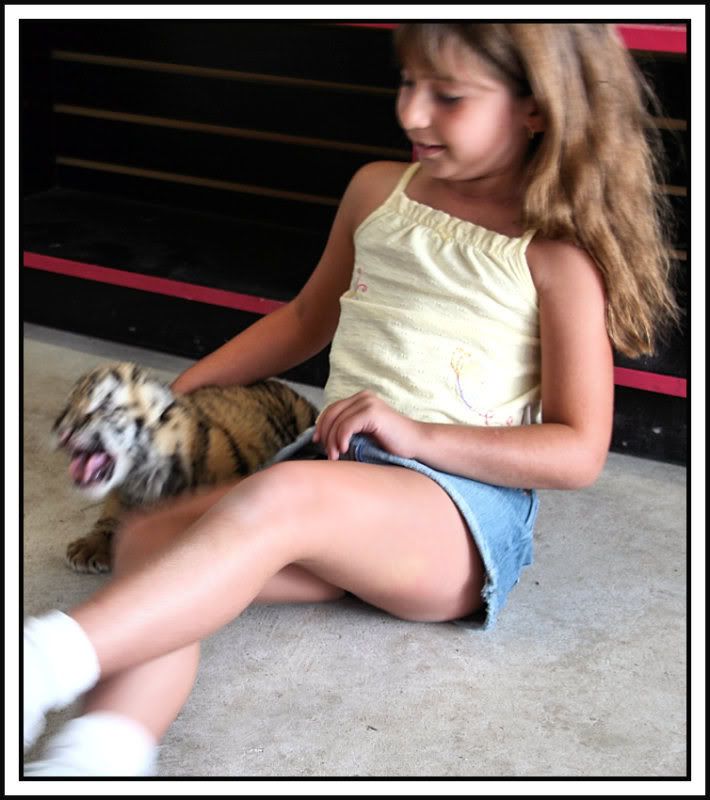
(153, 693)
(390, 536)
(297, 531)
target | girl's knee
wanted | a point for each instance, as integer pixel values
(289, 478)
(281, 488)
(268, 496)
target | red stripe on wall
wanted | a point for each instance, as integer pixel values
(650, 381)
(660, 38)
(637, 379)
(639, 36)
(148, 283)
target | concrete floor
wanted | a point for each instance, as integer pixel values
(583, 677)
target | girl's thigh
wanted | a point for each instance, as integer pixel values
(389, 535)
(148, 533)
(386, 534)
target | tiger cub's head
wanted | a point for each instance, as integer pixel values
(107, 422)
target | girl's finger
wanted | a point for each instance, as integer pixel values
(351, 420)
(331, 414)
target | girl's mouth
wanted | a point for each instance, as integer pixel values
(427, 150)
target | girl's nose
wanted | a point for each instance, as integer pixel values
(413, 109)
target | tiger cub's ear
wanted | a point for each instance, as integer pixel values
(152, 394)
(156, 397)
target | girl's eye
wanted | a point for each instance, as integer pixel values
(447, 99)
(439, 97)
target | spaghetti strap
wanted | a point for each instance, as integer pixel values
(526, 238)
(392, 198)
(407, 176)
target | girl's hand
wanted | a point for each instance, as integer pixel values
(366, 413)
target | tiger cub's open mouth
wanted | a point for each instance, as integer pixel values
(89, 467)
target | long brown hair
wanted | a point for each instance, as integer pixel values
(596, 170)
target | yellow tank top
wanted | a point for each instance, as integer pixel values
(441, 318)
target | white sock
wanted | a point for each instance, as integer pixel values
(101, 743)
(59, 664)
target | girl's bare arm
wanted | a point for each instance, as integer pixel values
(300, 329)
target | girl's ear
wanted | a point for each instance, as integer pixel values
(534, 119)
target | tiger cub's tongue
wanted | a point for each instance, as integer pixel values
(85, 466)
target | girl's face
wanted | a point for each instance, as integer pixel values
(464, 122)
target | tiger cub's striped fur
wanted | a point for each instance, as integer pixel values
(134, 442)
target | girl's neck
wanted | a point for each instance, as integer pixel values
(493, 189)
(495, 205)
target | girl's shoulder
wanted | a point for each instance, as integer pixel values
(549, 260)
(371, 185)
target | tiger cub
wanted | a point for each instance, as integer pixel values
(133, 442)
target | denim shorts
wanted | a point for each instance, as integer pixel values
(501, 520)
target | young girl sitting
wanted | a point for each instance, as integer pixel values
(473, 299)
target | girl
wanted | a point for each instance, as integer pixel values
(473, 299)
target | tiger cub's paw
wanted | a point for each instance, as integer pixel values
(91, 553)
